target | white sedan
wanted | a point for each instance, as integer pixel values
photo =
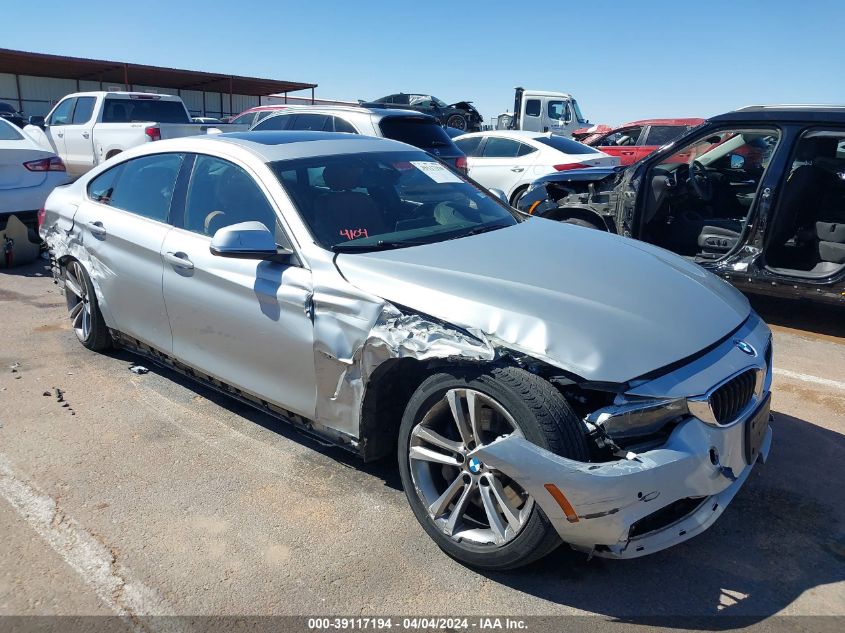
(510, 160)
(28, 174)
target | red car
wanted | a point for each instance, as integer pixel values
(633, 141)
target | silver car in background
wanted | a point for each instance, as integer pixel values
(538, 382)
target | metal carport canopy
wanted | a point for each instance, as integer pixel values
(61, 66)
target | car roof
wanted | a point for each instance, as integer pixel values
(672, 122)
(380, 113)
(515, 134)
(786, 113)
(282, 145)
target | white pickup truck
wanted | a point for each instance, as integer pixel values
(86, 128)
(543, 111)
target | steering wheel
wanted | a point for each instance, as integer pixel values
(700, 181)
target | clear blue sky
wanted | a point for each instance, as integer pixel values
(622, 60)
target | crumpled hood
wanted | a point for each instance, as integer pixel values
(604, 307)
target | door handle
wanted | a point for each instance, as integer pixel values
(96, 228)
(626, 153)
(180, 260)
(86, 135)
(517, 169)
(60, 134)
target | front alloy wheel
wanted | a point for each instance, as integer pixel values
(477, 514)
(466, 499)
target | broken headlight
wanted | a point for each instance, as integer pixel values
(638, 420)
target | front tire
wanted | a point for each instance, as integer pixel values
(475, 514)
(581, 222)
(84, 311)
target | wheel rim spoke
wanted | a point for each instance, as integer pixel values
(429, 455)
(432, 437)
(442, 503)
(75, 312)
(496, 525)
(511, 513)
(73, 284)
(453, 397)
(86, 321)
(465, 498)
(458, 510)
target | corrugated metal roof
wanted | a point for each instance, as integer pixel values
(41, 65)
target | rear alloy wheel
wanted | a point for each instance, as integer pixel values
(457, 121)
(84, 312)
(476, 513)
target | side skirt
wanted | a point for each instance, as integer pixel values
(321, 434)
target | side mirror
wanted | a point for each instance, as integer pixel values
(37, 120)
(246, 240)
(737, 161)
(500, 195)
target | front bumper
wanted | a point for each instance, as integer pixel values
(655, 499)
(610, 498)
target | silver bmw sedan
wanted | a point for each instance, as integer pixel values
(538, 382)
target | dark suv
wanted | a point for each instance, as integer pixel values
(8, 112)
(756, 195)
(461, 115)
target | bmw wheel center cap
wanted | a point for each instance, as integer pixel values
(475, 465)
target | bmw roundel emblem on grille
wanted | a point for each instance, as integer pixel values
(746, 348)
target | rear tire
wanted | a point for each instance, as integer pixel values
(85, 316)
(457, 121)
(499, 397)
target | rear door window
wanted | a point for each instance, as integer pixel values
(419, 132)
(313, 122)
(280, 122)
(662, 134)
(341, 125)
(470, 146)
(100, 189)
(497, 147)
(146, 185)
(244, 119)
(83, 111)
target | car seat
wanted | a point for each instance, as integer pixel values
(342, 212)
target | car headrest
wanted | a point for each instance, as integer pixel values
(342, 177)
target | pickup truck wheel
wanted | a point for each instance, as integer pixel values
(112, 153)
(479, 515)
(85, 316)
(457, 121)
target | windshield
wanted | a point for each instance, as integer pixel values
(372, 201)
(578, 116)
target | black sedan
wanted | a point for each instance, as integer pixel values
(461, 115)
(8, 112)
